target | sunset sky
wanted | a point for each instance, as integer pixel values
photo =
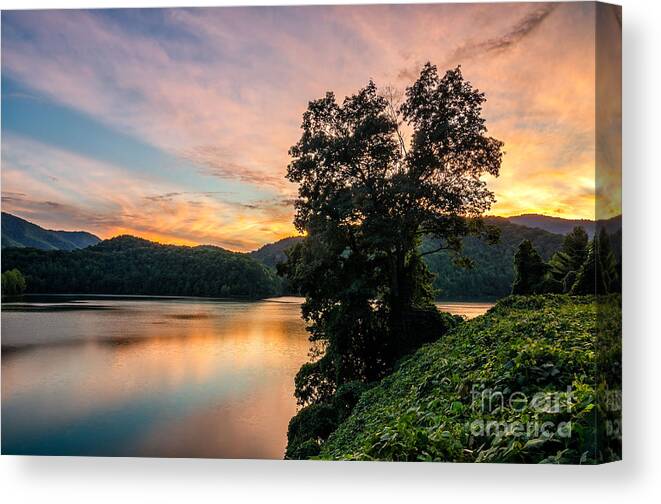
(174, 124)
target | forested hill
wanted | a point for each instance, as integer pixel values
(493, 271)
(129, 265)
(17, 232)
(273, 253)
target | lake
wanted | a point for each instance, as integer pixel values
(157, 377)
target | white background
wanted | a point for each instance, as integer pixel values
(636, 479)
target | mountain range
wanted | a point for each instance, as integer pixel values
(491, 276)
(493, 272)
(563, 226)
(19, 233)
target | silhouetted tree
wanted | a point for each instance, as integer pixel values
(529, 270)
(365, 199)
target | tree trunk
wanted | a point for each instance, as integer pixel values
(400, 300)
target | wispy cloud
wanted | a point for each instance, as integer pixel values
(514, 35)
(9, 196)
(218, 163)
(172, 195)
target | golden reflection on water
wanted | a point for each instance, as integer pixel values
(215, 383)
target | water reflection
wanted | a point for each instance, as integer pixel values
(175, 377)
(467, 309)
(152, 378)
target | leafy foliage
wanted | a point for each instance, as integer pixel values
(365, 201)
(129, 265)
(490, 276)
(315, 422)
(487, 372)
(13, 283)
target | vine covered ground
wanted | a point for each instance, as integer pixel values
(520, 384)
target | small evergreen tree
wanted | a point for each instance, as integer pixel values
(569, 258)
(575, 246)
(529, 270)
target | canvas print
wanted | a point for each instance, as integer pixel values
(358, 232)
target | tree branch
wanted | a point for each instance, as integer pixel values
(445, 247)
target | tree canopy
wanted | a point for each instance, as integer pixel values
(13, 283)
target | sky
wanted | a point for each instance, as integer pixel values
(174, 124)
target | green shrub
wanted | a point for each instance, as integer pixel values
(314, 423)
(308, 428)
(13, 283)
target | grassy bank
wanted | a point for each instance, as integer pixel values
(515, 385)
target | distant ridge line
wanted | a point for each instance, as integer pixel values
(20, 233)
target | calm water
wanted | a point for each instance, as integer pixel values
(153, 377)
